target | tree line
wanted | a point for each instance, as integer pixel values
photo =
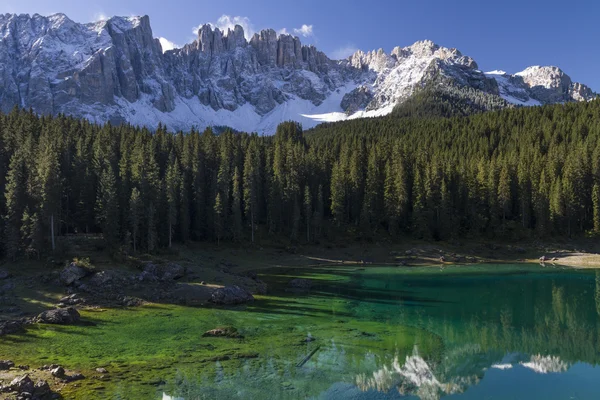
(515, 173)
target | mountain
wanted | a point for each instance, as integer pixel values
(115, 70)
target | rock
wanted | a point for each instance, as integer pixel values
(356, 100)
(226, 332)
(172, 272)
(302, 284)
(11, 327)
(41, 390)
(5, 365)
(103, 278)
(190, 294)
(74, 377)
(101, 370)
(4, 274)
(230, 295)
(23, 367)
(7, 287)
(251, 274)
(261, 287)
(129, 301)
(61, 316)
(22, 384)
(70, 300)
(543, 259)
(153, 272)
(58, 372)
(72, 273)
(309, 338)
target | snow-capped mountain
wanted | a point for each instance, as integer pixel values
(115, 70)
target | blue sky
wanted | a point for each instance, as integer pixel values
(508, 35)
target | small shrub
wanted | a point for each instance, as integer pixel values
(84, 263)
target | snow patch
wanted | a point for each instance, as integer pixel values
(502, 366)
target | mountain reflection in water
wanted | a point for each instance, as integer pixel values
(492, 327)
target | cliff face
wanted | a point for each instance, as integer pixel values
(116, 70)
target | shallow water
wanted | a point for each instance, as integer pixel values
(468, 332)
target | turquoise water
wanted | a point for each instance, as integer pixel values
(464, 332)
(468, 332)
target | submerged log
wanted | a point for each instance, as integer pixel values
(308, 357)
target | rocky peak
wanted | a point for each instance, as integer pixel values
(549, 77)
(550, 84)
(235, 38)
(265, 44)
(423, 48)
(580, 92)
(373, 60)
(289, 50)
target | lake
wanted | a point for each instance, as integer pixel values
(463, 332)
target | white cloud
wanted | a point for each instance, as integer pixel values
(100, 17)
(304, 30)
(167, 44)
(226, 22)
(343, 52)
(283, 31)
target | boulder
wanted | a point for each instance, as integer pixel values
(103, 278)
(261, 287)
(10, 327)
(168, 272)
(61, 316)
(172, 272)
(231, 295)
(225, 332)
(5, 365)
(101, 370)
(72, 273)
(22, 384)
(130, 301)
(4, 274)
(70, 300)
(41, 390)
(190, 294)
(74, 377)
(58, 372)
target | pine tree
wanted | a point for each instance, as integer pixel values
(219, 220)
(338, 193)
(173, 187)
(318, 215)
(252, 184)
(15, 200)
(504, 193)
(135, 216)
(107, 208)
(49, 184)
(307, 211)
(237, 206)
(596, 207)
